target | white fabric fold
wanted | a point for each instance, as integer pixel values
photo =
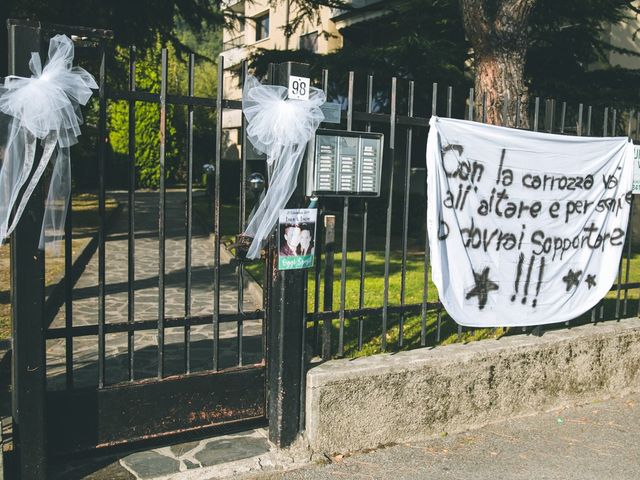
(525, 228)
(44, 107)
(281, 129)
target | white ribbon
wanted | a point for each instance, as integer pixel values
(281, 129)
(44, 107)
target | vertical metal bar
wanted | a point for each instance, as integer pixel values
(162, 213)
(628, 259)
(563, 116)
(216, 219)
(131, 239)
(484, 107)
(241, 221)
(318, 259)
(619, 287)
(614, 126)
(425, 285)
(286, 323)
(405, 220)
(345, 227)
(303, 354)
(536, 114)
(433, 112)
(518, 100)
(505, 110)
(243, 171)
(579, 126)
(387, 253)
(589, 111)
(102, 128)
(317, 273)
(28, 358)
(189, 220)
(605, 130)
(470, 106)
(68, 297)
(267, 277)
(449, 100)
(365, 220)
(329, 245)
(630, 120)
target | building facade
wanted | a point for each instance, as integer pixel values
(262, 26)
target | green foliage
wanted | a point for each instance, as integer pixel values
(415, 40)
(568, 52)
(424, 40)
(147, 120)
(204, 43)
(137, 22)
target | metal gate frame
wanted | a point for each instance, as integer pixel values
(49, 424)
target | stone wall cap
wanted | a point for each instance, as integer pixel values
(386, 363)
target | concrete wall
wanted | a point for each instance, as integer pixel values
(372, 401)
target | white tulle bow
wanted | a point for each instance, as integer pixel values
(280, 128)
(44, 107)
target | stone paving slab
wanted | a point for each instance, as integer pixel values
(85, 299)
(169, 461)
(227, 454)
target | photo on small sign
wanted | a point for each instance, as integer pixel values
(296, 238)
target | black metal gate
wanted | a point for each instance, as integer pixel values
(182, 349)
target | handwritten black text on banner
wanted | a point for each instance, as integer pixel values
(525, 228)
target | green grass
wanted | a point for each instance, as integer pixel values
(85, 223)
(412, 325)
(229, 213)
(374, 294)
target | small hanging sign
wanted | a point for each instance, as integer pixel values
(299, 88)
(296, 238)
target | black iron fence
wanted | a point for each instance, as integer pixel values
(121, 340)
(365, 301)
(369, 291)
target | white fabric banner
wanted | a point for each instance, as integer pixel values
(525, 228)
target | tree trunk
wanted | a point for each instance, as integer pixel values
(500, 87)
(497, 31)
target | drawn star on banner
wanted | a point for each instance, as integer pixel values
(590, 280)
(482, 288)
(572, 279)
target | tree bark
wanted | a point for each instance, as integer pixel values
(498, 32)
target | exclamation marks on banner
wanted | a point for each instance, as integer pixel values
(539, 284)
(527, 282)
(518, 273)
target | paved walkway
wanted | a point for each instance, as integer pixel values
(596, 441)
(85, 299)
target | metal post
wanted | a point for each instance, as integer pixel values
(286, 319)
(27, 301)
